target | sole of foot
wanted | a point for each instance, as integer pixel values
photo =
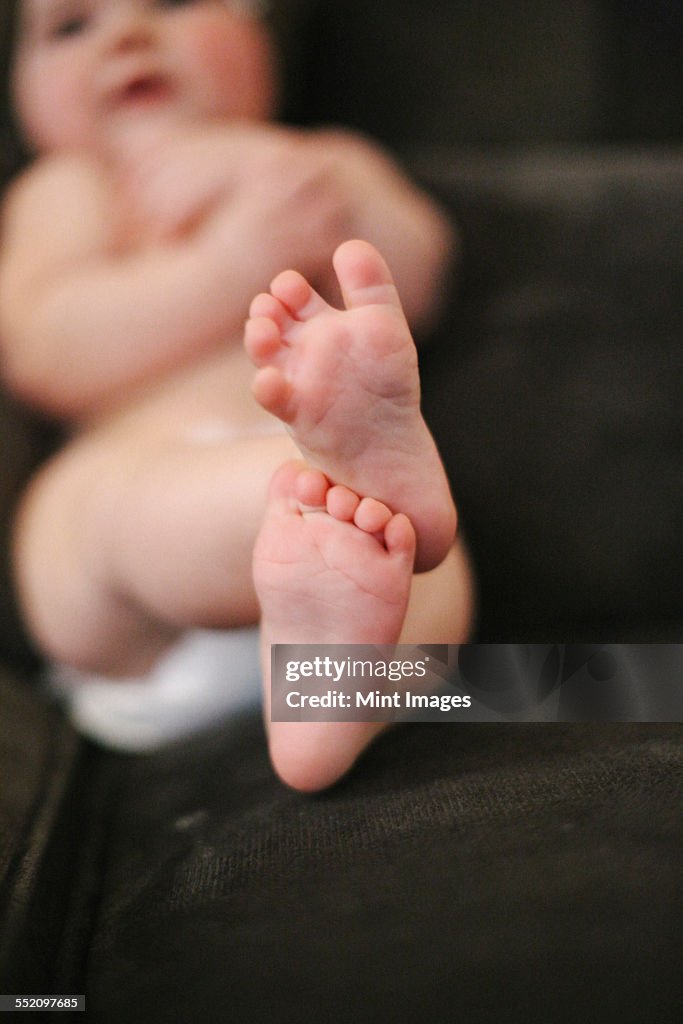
(346, 383)
(330, 566)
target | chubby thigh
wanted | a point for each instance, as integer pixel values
(126, 538)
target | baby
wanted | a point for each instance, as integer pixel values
(160, 200)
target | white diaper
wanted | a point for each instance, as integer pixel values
(204, 679)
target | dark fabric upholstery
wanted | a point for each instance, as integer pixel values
(532, 872)
(493, 873)
(479, 873)
(554, 388)
(39, 755)
(24, 442)
(495, 73)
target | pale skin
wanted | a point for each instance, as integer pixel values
(327, 564)
(346, 383)
(131, 249)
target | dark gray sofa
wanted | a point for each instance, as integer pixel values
(484, 872)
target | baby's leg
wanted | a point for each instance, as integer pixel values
(120, 547)
(340, 573)
(122, 543)
(346, 383)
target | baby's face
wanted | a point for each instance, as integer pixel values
(87, 70)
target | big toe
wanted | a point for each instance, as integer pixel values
(283, 484)
(363, 275)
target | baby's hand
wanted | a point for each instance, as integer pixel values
(278, 197)
(175, 181)
(270, 180)
(306, 192)
(382, 205)
(289, 206)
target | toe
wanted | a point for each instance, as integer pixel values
(363, 275)
(311, 489)
(342, 503)
(262, 340)
(266, 305)
(371, 515)
(282, 487)
(297, 295)
(272, 390)
(399, 537)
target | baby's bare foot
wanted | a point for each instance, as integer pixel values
(346, 383)
(329, 567)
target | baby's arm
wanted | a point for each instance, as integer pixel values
(385, 207)
(83, 319)
(316, 189)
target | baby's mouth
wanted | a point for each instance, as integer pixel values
(145, 90)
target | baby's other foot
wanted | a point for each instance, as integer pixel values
(346, 383)
(329, 567)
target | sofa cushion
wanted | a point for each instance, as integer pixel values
(483, 873)
(490, 73)
(554, 389)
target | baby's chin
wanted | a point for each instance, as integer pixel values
(141, 128)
